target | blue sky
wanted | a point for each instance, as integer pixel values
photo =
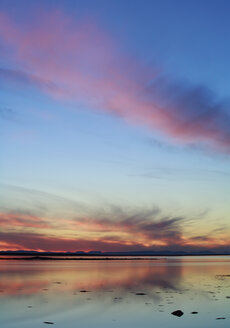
(112, 107)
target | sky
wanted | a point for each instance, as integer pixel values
(114, 125)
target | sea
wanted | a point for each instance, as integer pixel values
(97, 292)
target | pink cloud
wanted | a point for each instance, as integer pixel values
(14, 220)
(147, 229)
(81, 63)
(40, 242)
(130, 233)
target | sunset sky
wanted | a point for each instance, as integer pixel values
(115, 125)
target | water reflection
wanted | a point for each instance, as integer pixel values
(33, 277)
(32, 292)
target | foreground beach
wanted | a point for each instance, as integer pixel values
(132, 293)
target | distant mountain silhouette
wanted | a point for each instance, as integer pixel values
(98, 253)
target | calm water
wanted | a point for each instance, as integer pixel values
(104, 293)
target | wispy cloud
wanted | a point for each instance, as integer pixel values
(36, 202)
(110, 229)
(143, 225)
(17, 219)
(186, 174)
(20, 78)
(80, 62)
(36, 241)
(38, 220)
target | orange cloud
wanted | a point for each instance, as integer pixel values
(16, 240)
(146, 230)
(114, 229)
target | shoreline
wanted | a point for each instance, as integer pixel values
(73, 257)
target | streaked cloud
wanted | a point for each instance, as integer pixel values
(42, 242)
(80, 62)
(20, 78)
(145, 226)
(15, 220)
(38, 220)
(116, 229)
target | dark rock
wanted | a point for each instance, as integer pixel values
(140, 294)
(177, 313)
(220, 318)
(48, 322)
(84, 291)
(194, 312)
